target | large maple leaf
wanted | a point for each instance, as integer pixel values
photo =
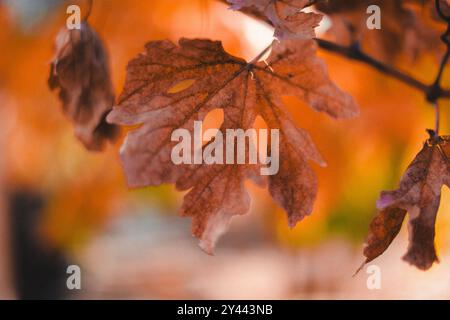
(243, 90)
(419, 195)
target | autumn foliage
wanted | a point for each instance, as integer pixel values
(169, 85)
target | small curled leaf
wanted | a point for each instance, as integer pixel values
(81, 73)
(419, 194)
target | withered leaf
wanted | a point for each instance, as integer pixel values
(81, 72)
(285, 15)
(404, 27)
(419, 195)
(444, 7)
(242, 90)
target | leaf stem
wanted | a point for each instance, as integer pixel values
(262, 53)
(436, 86)
(444, 38)
(437, 118)
(354, 52)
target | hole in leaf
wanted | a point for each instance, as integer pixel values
(181, 86)
(213, 120)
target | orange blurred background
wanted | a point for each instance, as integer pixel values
(132, 244)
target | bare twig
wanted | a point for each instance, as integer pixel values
(436, 86)
(436, 117)
(354, 52)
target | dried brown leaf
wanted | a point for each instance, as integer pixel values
(285, 15)
(419, 195)
(81, 73)
(383, 230)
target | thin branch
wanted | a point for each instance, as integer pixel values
(90, 4)
(445, 40)
(262, 53)
(443, 62)
(354, 52)
(436, 118)
(432, 92)
(436, 86)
